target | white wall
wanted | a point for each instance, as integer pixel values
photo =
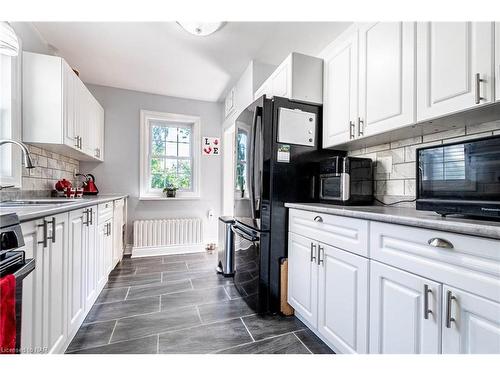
(120, 170)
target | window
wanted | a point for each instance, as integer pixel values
(241, 164)
(170, 152)
(10, 125)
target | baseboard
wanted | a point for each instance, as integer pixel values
(315, 331)
(138, 252)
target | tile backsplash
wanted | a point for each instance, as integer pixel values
(50, 167)
(395, 161)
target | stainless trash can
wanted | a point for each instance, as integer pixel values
(225, 255)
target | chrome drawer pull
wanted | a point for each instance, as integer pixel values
(440, 242)
(427, 311)
(478, 88)
(449, 298)
(318, 219)
(321, 250)
(313, 252)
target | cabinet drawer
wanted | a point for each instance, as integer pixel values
(105, 211)
(342, 232)
(471, 263)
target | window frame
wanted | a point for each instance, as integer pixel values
(145, 190)
(15, 178)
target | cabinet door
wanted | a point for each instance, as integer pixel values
(55, 275)
(109, 247)
(386, 76)
(497, 61)
(77, 255)
(100, 264)
(69, 98)
(343, 299)
(398, 322)
(91, 274)
(117, 231)
(303, 277)
(281, 80)
(473, 323)
(449, 56)
(32, 307)
(340, 95)
(263, 90)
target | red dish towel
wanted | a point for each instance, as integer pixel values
(8, 314)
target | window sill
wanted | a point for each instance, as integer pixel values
(169, 199)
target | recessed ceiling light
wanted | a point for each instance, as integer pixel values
(201, 28)
(9, 45)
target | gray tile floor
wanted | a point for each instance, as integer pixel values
(178, 304)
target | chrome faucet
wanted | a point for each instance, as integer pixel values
(26, 154)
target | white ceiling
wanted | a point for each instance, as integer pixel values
(161, 58)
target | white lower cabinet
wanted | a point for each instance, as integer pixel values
(303, 277)
(343, 299)
(423, 296)
(76, 269)
(471, 324)
(328, 288)
(405, 312)
(73, 258)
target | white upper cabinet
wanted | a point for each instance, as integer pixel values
(303, 277)
(454, 67)
(343, 299)
(340, 93)
(497, 61)
(405, 312)
(387, 76)
(471, 324)
(299, 77)
(59, 112)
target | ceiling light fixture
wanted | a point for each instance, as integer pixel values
(9, 45)
(201, 28)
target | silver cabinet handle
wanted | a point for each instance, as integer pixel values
(478, 81)
(86, 213)
(53, 237)
(427, 311)
(351, 130)
(440, 242)
(76, 141)
(313, 252)
(44, 226)
(449, 300)
(318, 219)
(321, 250)
(91, 216)
(360, 127)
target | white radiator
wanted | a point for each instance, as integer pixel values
(167, 236)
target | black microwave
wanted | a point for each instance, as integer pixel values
(460, 178)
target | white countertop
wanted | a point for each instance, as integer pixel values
(408, 216)
(32, 212)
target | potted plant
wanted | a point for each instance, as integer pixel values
(170, 191)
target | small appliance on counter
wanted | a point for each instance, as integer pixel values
(89, 186)
(346, 180)
(64, 188)
(460, 178)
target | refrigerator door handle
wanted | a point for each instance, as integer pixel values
(256, 115)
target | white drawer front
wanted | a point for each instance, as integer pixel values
(472, 264)
(342, 232)
(105, 211)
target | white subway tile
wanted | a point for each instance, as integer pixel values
(446, 134)
(484, 127)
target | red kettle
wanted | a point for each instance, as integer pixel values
(89, 187)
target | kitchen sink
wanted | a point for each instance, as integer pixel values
(35, 202)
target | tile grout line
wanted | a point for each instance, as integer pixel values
(112, 332)
(158, 344)
(257, 341)
(126, 295)
(251, 336)
(305, 346)
(199, 315)
(227, 294)
(191, 282)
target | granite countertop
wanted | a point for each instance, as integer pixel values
(408, 216)
(32, 212)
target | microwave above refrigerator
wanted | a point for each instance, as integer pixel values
(460, 178)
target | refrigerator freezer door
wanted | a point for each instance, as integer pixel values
(297, 127)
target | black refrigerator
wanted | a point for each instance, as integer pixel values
(277, 149)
